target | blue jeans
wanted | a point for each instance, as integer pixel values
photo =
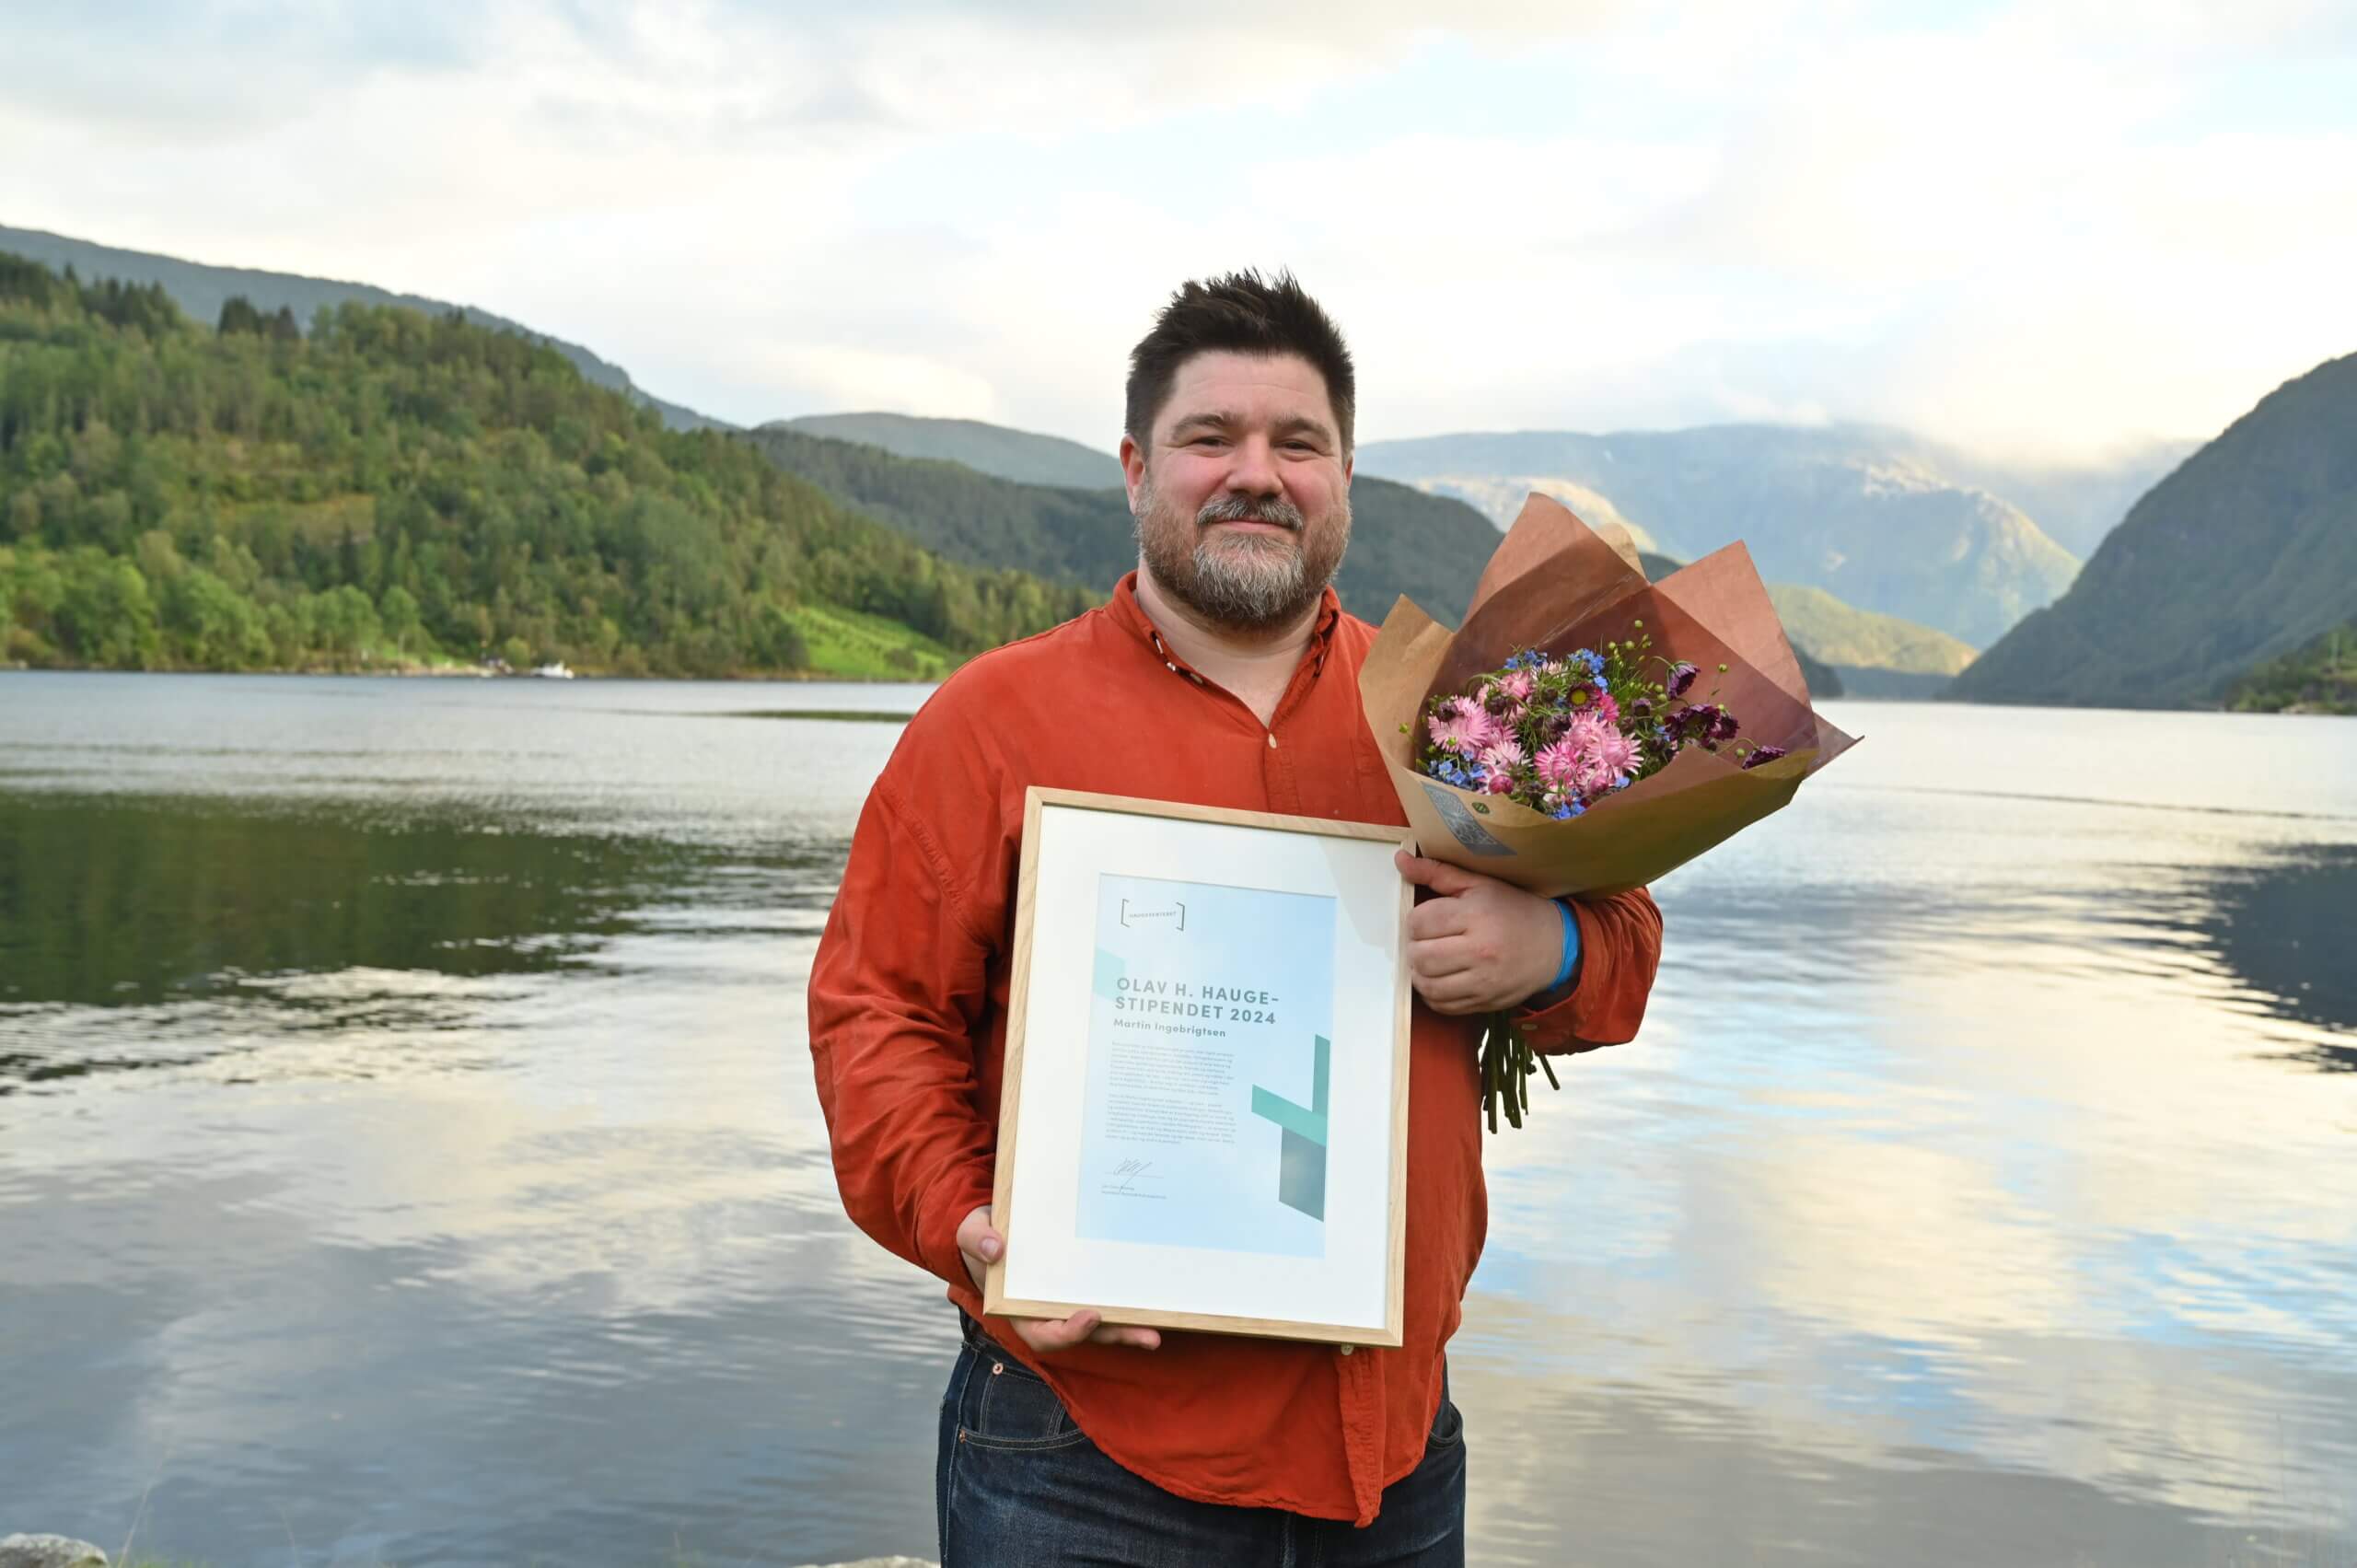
(1018, 1485)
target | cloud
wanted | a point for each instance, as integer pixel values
(2019, 228)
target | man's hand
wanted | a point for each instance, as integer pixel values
(981, 1246)
(1480, 946)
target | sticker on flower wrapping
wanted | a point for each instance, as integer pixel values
(1469, 832)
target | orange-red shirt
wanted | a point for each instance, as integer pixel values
(908, 1028)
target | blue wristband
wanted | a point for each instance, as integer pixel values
(1571, 945)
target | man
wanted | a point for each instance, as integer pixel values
(1223, 673)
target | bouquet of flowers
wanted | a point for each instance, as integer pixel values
(1559, 734)
(1555, 740)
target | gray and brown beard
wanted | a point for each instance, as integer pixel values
(1250, 581)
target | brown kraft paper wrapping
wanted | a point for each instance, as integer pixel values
(1555, 583)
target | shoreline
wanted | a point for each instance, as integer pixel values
(804, 677)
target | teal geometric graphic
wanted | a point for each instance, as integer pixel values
(1301, 1167)
(1106, 981)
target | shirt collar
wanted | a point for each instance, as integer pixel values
(1130, 616)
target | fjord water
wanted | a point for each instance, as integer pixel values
(408, 1149)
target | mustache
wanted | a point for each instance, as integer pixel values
(1239, 509)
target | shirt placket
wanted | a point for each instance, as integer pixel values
(1358, 1381)
(1280, 785)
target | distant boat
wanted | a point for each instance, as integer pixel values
(553, 672)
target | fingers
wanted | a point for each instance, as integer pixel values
(1450, 982)
(1137, 1339)
(1050, 1334)
(979, 1244)
(1443, 957)
(1436, 917)
(1440, 876)
(1453, 996)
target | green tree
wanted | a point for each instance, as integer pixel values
(106, 616)
(397, 610)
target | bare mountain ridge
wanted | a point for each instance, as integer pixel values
(1860, 511)
(1023, 456)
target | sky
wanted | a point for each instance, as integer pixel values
(2048, 230)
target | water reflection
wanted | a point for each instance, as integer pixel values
(203, 926)
(2288, 928)
(1971, 1197)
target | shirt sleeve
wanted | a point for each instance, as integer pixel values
(1604, 1002)
(899, 993)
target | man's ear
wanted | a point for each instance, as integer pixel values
(1132, 469)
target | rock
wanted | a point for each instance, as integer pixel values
(49, 1552)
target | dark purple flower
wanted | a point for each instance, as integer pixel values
(1763, 754)
(1723, 726)
(1682, 678)
(1694, 720)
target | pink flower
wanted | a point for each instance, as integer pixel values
(1518, 684)
(1615, 753)
(1589, 758)
(1568, 769)
(1602, 745)
(1500, 781)
(1608, 709)
(1501, 753)
(1462, 727)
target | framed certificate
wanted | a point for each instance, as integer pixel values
(1205, 1110)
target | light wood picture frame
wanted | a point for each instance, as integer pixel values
(1203, 1118)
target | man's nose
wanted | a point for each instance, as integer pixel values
(1254, 468)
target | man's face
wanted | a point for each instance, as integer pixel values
(1243, 502)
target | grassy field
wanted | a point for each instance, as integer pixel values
(855, 646)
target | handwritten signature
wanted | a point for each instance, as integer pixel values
(1129, 1173)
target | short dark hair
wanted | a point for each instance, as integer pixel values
(1240, 313)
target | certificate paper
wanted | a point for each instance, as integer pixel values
(1210, 1053)
(1203, 1118)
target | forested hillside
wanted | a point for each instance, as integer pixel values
(398, 488)
(988, 449)
(202, 291)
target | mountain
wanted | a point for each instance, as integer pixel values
(2246, 552)
(1402, 540)
(1019, 455)
(395, 489)
(1855, 510)
(2076, 503)
(1876, 656)
(200, 291)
